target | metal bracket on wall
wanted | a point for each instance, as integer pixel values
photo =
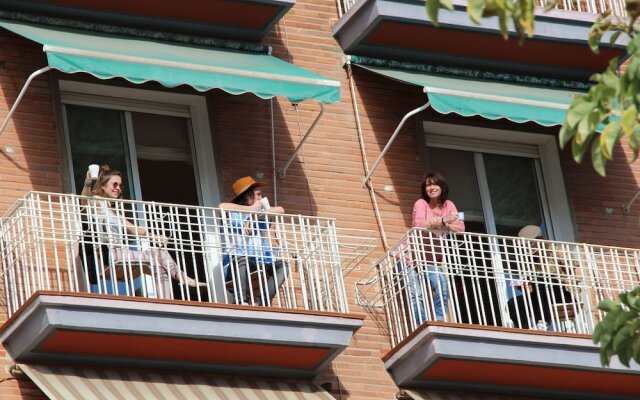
(627, 207)
(365, 181)
(283, 171)
(21, 95)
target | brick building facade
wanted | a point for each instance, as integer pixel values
(325, 178)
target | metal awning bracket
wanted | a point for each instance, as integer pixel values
(21, 95)
(283, 171)
(365, 181)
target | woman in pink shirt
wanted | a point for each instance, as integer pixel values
(433, 211)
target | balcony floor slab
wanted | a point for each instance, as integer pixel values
(509, 361)
(127, 331)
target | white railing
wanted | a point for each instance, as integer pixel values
(617, 7)
(495, 281)
(58, 242)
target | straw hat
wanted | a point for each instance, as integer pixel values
(243, 184)
(530, 232)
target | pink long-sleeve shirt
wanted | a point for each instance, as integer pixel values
(430, 246)
(423, 213)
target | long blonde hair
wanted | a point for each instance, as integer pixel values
(105, 174)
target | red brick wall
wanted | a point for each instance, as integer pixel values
(29, 157)
(597, 201)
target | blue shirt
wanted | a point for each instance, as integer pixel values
(246, 235)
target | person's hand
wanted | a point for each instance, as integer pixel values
(276, 210)
(162, 239)
(434, 223)
(87, 179)
(450, 218)
(256, 206)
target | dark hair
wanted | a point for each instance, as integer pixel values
(434, 177)
(243, 198)
(105, 174)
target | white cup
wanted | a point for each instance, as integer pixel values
(265, 203)
(94, 170)
(461, 216)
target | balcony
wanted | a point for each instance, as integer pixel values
(73, 297)
(401, 31)
(498, 311)
(616, 7)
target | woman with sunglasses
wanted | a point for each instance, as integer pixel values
(113, 228)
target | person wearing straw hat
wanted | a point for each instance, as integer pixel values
(249, 249)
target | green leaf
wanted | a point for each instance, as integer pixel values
(588, 125)
(577, 110)
(623, 340)
(628, 120)
(474, 9)
(610, 79)
(631, 47)
(623, 297)
(594, 40)
(502, 22)
(624, 317)
(635, 348)
(634, 143)
(578, 150)
(550, 5)
(607, 305)
(614, 38)
(446, 4)
(609, 137)
(566, 133)
(433, 6)
(632, 68)
(597, 333)
(597, 158)
(527, 19)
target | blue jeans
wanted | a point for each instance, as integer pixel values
(437, 283)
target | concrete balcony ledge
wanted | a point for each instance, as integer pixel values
(104, 330)
(509, 361)
(228, 19)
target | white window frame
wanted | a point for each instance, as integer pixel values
(542, 147)
(189, 106)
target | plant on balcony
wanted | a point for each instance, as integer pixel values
(619, 331)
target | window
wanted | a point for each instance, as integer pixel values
(502, 180)
(152, 137)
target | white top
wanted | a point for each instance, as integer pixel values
(109, 226)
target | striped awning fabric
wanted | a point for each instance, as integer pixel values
(82, 383)
(441, 395)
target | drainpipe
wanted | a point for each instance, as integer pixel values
(363, 151)
(21, 95)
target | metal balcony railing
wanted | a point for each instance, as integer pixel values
(61, 242)
(617, 7)
(495, 281)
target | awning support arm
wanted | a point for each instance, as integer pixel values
(410, 114)
(21, 95)
(283, 171)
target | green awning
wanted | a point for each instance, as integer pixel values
(139, 60)
(491, 100)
